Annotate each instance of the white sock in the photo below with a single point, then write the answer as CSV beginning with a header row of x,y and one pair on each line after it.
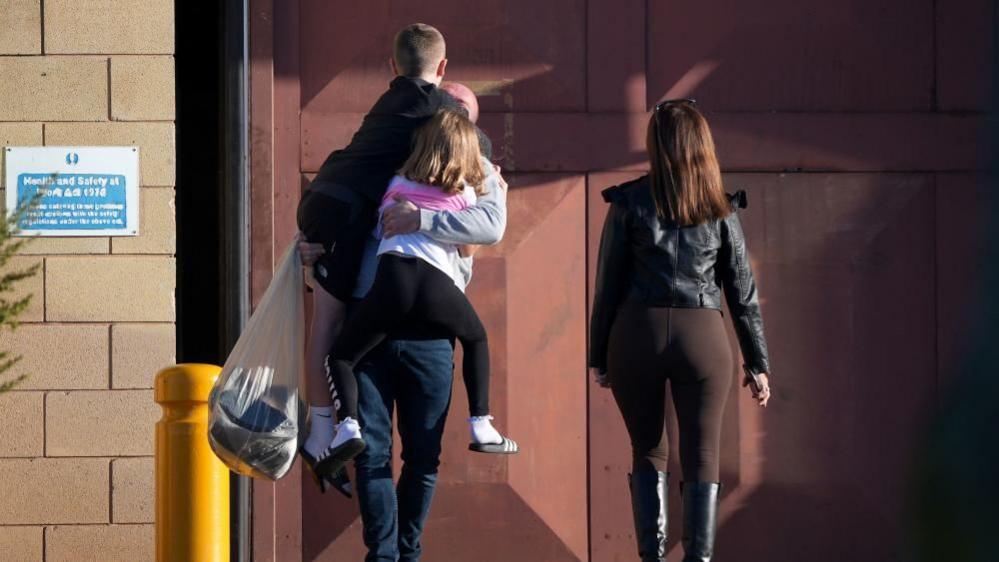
x,y
482,430
345,431
321,429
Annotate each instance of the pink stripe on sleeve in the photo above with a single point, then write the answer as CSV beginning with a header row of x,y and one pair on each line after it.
x,y
423,196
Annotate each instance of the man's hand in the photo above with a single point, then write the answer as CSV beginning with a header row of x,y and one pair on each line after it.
x,y
600,377
499,176
309,251
401,218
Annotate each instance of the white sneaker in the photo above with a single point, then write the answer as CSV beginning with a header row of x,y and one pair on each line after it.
x,y
345,431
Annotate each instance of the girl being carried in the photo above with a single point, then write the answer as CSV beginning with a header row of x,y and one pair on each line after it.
x,y
417,288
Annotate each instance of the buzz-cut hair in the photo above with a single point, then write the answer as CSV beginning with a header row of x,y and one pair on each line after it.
x,y
419,48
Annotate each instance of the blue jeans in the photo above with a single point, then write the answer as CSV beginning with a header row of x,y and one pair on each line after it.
x,y
415,377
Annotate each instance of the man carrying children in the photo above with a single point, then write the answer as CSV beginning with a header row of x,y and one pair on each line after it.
x,y
410,372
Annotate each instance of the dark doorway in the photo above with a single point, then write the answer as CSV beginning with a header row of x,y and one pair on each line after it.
x,y
212,251
200,181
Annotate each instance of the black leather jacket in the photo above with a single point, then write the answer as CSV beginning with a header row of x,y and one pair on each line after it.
x,y
655,262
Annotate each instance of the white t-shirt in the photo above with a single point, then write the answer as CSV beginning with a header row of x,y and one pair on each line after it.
x,y
418,245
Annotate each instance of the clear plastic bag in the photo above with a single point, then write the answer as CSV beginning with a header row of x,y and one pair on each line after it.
x,y
254,406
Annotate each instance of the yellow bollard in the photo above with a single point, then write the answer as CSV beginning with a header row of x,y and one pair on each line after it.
x,y
192,484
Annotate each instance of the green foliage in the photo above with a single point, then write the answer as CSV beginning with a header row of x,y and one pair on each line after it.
x,y
10,309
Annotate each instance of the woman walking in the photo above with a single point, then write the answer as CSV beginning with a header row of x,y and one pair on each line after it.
x,y
672,245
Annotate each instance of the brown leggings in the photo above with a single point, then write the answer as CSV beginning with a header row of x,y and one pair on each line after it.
x,y
688,347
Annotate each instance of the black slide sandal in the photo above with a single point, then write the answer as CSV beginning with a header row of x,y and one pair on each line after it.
x,y
341,482
310,464
337,458
507,447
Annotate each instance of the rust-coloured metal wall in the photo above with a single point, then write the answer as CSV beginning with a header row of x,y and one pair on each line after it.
x,y
853,125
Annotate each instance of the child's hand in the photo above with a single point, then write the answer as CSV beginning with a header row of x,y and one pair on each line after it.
x,y
467,250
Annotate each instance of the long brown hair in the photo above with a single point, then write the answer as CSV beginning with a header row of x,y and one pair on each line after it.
x,y
685,178
446,154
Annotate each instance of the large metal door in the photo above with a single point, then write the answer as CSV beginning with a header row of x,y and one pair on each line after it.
x,y
855,135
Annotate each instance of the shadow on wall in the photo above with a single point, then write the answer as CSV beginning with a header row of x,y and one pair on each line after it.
x,y
854,369
955,491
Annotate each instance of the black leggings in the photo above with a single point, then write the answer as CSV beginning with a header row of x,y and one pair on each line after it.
x,y
412,295
689,348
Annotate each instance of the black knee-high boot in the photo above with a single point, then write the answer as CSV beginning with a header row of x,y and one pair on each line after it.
x,y
648,502
700,519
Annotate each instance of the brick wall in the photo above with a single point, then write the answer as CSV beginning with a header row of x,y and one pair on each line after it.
x,y
76,439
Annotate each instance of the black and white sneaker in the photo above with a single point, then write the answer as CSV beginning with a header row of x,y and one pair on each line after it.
x,y
346,445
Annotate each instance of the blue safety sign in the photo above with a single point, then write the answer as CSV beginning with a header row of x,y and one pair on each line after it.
x,y
74,191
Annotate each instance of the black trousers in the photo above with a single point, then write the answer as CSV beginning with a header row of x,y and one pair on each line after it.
x,y
409,296
689,348
341,221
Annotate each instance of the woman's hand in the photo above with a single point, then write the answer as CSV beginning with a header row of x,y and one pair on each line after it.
x,y
761,394
600,377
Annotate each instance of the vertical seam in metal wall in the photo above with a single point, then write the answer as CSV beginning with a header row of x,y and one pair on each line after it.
x,y
586,56
936,291
586,375
645,56
586,287
934,101
995,46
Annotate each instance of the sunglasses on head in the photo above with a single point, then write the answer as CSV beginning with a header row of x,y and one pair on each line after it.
x,y
664,103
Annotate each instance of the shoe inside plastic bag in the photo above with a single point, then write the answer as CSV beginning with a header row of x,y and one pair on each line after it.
x,y
254,406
